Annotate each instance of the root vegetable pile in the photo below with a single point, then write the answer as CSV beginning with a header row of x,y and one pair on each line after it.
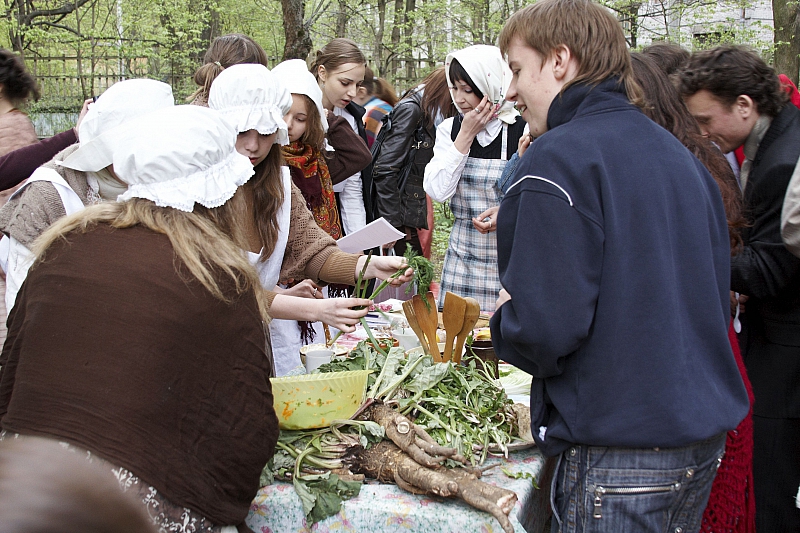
x,y
425,427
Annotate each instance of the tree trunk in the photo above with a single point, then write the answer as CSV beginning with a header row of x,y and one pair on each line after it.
x,y
341,19
378,54
408,32
786,16
398,21
298,41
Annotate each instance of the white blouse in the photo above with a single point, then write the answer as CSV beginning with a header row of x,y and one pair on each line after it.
x,y
443,172
351,198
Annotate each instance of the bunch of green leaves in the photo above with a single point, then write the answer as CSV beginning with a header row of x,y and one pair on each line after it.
x,y
308,457
466,410
460,406
423,273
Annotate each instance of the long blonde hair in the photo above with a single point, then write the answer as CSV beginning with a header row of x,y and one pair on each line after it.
x,y
207,253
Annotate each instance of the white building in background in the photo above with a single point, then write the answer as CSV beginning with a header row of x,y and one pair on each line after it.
x,y
703,21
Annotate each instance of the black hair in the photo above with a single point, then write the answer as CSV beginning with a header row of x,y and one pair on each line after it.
x,y
458,73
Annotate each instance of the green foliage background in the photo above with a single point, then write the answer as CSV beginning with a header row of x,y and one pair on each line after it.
x,y
81,51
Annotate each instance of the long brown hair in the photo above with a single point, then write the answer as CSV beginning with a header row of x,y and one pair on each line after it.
x,y
208,254
314,134
226,50
664,106
592,34
385,91
436,97
265,189
257,201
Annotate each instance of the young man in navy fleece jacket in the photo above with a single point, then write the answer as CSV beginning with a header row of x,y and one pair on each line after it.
x,y
615,261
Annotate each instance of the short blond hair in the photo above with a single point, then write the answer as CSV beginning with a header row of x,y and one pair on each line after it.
x,y
590,31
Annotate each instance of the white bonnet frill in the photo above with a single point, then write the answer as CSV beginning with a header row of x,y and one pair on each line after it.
x,y
124,101
298,80
251,97
179,157
490,73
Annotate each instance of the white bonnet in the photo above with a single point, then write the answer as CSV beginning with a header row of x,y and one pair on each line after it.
x,y
123,101
295,76
179,157
251,97
489,72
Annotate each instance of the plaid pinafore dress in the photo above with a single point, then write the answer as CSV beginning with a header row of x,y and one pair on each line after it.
x,y
470,264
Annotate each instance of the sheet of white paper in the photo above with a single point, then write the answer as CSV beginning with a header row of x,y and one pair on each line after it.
x,y
376,233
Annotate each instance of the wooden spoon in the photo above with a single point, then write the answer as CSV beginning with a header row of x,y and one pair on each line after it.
x,y
453,317
411,318
428,320
471,315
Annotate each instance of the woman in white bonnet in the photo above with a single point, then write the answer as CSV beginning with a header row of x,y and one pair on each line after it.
x,y
284,241
469,155
77,177
138,338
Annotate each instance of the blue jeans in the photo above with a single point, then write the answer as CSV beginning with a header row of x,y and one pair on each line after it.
x,y
624,490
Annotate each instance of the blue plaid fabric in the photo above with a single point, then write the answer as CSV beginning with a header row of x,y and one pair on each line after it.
x,y
470,264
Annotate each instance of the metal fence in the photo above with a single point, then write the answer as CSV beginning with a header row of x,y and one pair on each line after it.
x,y
66,81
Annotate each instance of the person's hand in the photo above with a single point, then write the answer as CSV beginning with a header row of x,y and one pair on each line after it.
x,y
84,110
488,226
474,121
523,144
384,267
742,298
389,245
304,289
339,312
502,297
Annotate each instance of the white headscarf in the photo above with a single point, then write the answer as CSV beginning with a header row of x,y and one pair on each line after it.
x,y
123,101
179,157
296,77
251,97
489,72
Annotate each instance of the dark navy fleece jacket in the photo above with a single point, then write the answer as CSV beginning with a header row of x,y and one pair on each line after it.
x,y
614,248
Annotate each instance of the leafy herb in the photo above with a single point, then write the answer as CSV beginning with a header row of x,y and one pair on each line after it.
x,y
423,273
322,494
520,475
459,405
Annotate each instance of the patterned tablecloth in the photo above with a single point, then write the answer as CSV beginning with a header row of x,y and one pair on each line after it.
x,y
277,509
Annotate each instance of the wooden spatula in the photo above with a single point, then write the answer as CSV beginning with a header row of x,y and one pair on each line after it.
x,y
471,315
411,318
428,318
453,317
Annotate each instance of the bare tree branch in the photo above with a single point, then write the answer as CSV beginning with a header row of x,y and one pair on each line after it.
x,y
66,9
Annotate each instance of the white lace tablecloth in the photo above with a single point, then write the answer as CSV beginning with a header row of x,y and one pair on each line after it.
x,y
384,508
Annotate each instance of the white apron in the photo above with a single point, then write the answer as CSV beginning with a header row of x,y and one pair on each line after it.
x,y
284,334
15,257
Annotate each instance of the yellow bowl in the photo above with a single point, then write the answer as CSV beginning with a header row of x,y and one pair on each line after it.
x,y
314,400
338,350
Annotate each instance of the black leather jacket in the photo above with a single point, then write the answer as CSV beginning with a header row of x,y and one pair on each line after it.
x,y
407,207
